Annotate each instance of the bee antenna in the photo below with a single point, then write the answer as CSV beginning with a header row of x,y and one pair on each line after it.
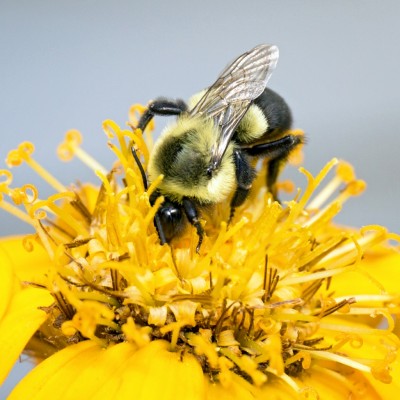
x,y
157,221
140,166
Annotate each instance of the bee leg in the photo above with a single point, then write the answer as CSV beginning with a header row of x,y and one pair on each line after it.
x,y
160,229
274,168
193,217
244,177
158,217
277,153
161,106
276,164
140,166
168,220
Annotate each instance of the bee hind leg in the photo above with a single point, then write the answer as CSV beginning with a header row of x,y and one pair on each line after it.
x,y
277,153
274,168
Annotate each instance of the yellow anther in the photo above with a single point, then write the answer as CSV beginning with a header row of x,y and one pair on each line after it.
x,y
345,171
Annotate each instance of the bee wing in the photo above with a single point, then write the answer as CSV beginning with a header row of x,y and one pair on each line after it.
x,y
228,99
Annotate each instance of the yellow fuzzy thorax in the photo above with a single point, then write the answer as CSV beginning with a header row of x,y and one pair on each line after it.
x,y
184,174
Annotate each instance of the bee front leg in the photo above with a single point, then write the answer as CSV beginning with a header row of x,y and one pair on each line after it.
x,y
161,106
193,217
244,177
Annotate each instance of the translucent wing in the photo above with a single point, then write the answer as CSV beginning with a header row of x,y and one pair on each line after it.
x,y
228,99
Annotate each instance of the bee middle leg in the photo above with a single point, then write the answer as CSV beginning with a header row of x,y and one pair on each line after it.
x,y
244,176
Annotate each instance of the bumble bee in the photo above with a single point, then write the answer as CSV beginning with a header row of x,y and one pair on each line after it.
x,y
206,154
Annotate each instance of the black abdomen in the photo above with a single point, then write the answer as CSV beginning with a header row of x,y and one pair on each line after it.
x,y
275,110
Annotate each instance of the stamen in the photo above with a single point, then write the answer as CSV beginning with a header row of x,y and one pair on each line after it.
x,y
308,277
36,211
134,334
44,238
287,379
15,211
336,307
353,330
23,153
326,355
313,183
70,148
344,174
271,279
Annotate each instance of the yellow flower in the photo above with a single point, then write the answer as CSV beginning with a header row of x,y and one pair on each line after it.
x,y
280,304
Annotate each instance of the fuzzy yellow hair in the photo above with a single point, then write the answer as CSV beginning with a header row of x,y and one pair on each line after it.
x,y
252,126
185,169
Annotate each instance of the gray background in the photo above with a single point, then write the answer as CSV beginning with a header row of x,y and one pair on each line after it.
x,y
73,64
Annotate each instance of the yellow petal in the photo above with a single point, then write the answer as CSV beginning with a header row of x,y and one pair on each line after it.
x,y
54,375
325,384
156,373
87,371
29,266
7,283
21,321
233,391
389,391
371,348
377,268
238,389
317,383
